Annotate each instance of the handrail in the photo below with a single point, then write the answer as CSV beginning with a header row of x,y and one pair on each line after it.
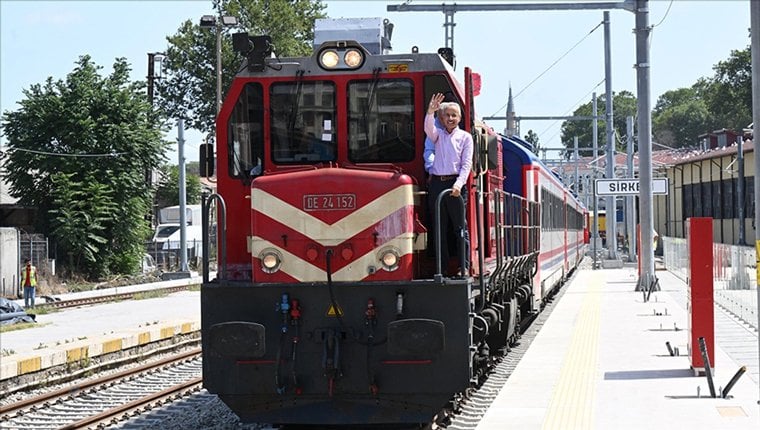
x,y
222,210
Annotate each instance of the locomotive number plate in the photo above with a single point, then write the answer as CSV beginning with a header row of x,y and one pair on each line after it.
x,y
329,202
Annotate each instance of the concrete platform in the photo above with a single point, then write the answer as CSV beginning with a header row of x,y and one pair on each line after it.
x,y
77,334
600,361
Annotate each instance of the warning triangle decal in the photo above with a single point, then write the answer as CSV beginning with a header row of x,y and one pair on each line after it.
x,y
334,311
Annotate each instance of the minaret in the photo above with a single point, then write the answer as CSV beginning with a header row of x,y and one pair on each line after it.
x,y
511,123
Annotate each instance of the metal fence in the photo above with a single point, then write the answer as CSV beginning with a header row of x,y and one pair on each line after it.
x,y
166,255
734,275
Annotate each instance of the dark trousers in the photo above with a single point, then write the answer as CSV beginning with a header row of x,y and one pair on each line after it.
x,y
453,225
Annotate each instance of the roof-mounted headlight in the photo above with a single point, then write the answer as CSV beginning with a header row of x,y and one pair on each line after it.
x,y
353,58
344,55
329,59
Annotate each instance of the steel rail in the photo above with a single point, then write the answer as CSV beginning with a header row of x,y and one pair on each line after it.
x,y
135,404
61,304
42,398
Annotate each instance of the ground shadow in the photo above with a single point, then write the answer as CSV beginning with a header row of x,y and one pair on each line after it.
x,y
648,374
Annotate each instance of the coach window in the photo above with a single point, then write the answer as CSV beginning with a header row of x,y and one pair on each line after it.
x,y
303,122
381,121
245,139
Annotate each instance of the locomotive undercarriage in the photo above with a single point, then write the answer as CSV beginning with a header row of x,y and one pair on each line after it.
x,y
351,353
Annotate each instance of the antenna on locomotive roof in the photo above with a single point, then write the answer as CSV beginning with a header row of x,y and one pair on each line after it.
x,y
387,33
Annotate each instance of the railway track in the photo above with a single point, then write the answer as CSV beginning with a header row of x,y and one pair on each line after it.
x,y
61,304
105,400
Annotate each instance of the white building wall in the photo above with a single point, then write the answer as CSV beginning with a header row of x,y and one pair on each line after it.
x,y
9,262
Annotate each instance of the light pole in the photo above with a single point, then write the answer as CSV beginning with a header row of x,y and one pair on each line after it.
x,y
210,21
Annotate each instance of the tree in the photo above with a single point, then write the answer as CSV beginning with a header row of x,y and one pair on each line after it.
x,y
189,88
679,117
167,193
728,94
532,137
80,215
624,105
78,150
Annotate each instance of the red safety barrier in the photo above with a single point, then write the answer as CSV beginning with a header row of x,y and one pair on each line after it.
x,y
700,306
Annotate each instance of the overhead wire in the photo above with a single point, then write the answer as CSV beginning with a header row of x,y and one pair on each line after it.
x,y
666,14
617,136
575,106
551,66
58,154
661,21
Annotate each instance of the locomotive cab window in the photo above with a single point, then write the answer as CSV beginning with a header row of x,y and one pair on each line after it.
x,y
303,122
245,138
381,121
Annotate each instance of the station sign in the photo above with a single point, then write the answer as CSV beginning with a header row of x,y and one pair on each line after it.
x,y
628,186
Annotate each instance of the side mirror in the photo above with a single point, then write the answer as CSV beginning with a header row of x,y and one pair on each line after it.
x,y
206,160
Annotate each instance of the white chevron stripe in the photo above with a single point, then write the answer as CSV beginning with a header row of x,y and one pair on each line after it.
x,y
323,233
303,271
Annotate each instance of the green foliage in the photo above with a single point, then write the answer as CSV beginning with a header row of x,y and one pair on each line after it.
x,y
728,94
623,105
81,213
79,150
679,117
532,137
167,193
189,88
722,101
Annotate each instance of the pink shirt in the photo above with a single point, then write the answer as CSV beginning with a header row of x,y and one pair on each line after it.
x,y
453,151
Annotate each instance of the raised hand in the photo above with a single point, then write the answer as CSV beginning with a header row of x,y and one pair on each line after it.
x,y
435,103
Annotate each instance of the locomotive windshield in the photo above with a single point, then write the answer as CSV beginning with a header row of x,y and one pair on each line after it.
x,y
303,122
381,121
245,138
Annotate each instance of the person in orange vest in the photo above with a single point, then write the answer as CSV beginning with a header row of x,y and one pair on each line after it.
x,y
29,282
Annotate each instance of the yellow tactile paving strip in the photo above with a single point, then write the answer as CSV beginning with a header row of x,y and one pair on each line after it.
x,y
15,365
572,402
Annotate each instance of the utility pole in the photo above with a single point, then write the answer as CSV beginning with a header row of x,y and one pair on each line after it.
x,y
577,182
648,281
595,200
182,198
755,50
740,188
152,58
610,164
630,200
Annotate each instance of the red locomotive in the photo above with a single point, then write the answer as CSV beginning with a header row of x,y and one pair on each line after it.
x,y
328,306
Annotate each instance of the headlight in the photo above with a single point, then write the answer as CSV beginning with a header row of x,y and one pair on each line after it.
x,y
343,55
270,260
353,58
329,59
389,258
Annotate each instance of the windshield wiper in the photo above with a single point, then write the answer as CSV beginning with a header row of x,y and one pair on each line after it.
x,y
371,94
296,96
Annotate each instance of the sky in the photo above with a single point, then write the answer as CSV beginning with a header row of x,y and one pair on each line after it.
x,y
553,60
